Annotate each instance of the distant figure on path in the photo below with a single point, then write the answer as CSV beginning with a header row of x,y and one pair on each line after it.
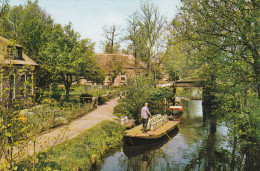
x,y
145,114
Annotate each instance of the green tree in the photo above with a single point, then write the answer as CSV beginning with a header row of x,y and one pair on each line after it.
x,y
115,66
179,61
35,30
228,31
31,27
139,91
146,34
224,36
3,7
68,57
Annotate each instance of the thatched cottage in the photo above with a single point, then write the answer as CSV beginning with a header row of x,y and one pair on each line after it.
x,y
17,74
129,64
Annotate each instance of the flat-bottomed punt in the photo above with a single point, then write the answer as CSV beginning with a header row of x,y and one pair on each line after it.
x,y
136,136
135,150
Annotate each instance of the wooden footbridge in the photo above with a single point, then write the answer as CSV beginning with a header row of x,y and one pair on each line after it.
x,y
188,82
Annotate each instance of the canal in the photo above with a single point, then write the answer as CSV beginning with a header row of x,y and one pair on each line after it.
x,y
189,147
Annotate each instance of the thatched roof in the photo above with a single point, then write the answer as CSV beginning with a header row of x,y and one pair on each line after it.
x,y
128,60
4,43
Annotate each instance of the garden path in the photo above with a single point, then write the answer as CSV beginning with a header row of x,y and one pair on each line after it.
x,y
76,127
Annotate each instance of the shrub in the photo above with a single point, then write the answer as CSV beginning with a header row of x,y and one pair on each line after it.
x,y
121,110
139,91
102,99
56,95
49,101
161,93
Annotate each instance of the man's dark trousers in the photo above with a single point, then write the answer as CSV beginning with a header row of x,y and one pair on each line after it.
x,y
145,122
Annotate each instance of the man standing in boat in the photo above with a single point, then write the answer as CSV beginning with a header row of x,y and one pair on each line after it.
x,y
145,114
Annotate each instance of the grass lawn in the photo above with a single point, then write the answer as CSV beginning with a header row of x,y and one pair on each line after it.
x,y
76,91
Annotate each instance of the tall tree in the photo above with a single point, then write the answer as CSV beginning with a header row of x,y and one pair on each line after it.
x,y
3,6
146,33
31,27
178,61
224,34
35,30
111,43
134,46
69,57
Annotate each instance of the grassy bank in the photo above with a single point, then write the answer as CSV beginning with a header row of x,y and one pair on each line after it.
x,y
81,153
58,92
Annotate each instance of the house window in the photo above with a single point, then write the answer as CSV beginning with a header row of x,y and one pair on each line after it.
x,y
23,86
123,78
12,86
16,53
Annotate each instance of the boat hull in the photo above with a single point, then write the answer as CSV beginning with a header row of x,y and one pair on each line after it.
x,y
134,141
177,116
143,145
135,135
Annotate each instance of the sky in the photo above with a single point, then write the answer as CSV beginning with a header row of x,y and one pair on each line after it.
x,y
89,16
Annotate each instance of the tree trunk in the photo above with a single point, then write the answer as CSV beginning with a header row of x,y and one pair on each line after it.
x,y
258,91
67,90
148,68
155,80
67,84
173,93
135,55
213,123
233,154
257,72
113,80
256,66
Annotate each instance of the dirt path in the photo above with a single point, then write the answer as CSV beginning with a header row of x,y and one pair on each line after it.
x,y
70,131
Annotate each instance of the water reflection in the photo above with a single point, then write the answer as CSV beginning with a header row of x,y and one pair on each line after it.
x,y
193,147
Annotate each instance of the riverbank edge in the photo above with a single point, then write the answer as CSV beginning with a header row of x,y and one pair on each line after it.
x,y
83,152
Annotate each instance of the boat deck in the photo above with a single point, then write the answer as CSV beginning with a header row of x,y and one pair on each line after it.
x,y
159,132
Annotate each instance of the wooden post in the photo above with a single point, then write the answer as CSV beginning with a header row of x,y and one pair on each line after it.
x,y
173,94
165,103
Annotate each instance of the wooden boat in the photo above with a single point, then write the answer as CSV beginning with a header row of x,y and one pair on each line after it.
x,y
176,109
136,150
175,117
135,135
177,112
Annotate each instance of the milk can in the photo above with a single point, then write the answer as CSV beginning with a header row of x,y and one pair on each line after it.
x,y
123,120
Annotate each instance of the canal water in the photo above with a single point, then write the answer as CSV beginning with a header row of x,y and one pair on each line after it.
x,y
189,147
